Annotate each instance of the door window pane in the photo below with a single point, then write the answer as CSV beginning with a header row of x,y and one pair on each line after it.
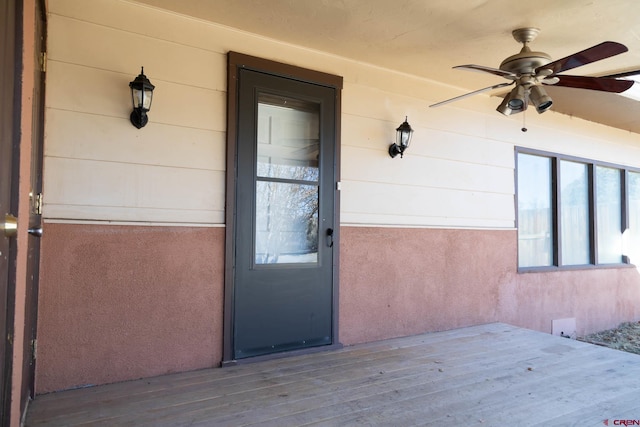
x,y
288,138
286,223
608,215
633,233
287,158
535,231
574,209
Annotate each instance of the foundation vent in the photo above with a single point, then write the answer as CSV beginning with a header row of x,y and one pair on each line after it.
x,y
564,327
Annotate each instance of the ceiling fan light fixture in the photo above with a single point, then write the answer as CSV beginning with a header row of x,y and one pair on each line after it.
x,y
540,99
514,102
503,108
517,98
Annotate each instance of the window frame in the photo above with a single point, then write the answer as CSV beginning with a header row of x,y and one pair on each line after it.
x,y
555,159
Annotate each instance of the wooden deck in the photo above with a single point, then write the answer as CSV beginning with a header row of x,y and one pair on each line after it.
x,y
483,375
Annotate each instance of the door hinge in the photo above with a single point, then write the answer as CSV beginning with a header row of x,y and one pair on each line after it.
x,y
34,349
43,62
36,203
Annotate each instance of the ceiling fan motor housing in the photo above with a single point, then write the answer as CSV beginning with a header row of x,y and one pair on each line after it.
x,y
525,62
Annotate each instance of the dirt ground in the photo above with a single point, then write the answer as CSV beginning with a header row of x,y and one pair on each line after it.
x,y
625,337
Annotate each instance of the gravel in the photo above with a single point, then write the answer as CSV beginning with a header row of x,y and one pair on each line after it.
x,y
625,337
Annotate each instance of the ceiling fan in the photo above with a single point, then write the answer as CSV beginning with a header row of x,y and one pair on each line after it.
x,y
529,71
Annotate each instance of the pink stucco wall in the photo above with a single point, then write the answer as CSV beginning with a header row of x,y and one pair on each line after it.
x,y
397,282
124,302
598,298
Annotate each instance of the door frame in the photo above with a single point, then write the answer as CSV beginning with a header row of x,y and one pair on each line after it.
x,y
32,279
235,62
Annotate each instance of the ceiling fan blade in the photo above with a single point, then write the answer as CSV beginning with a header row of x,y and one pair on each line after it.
x,y
584,57
624,74
482,68
604,84
475,92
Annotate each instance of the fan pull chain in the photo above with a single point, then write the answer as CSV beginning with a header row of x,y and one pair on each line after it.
x,y
524,121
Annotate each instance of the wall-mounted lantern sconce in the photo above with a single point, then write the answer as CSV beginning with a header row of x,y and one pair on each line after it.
x,y
141,95
403,138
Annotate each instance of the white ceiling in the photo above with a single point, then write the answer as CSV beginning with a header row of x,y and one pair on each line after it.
x,y
428,37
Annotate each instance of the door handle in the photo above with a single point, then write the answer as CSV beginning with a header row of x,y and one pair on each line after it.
x,y
10,225
36,231
330,237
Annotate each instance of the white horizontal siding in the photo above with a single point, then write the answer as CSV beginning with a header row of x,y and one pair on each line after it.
x,y
448,178
458,171
100,183
412,205
361,164
97,165
96,91
96,137
112,47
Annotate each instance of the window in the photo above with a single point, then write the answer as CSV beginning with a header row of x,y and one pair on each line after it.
x,y
632,234
575,212
608,209
535,226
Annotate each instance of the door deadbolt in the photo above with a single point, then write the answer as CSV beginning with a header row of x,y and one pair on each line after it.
x,y
10,225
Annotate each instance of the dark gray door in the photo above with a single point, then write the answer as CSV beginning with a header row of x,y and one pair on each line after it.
x,y
283,284
9,14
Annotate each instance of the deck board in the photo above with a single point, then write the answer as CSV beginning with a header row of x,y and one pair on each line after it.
x,y
490,374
